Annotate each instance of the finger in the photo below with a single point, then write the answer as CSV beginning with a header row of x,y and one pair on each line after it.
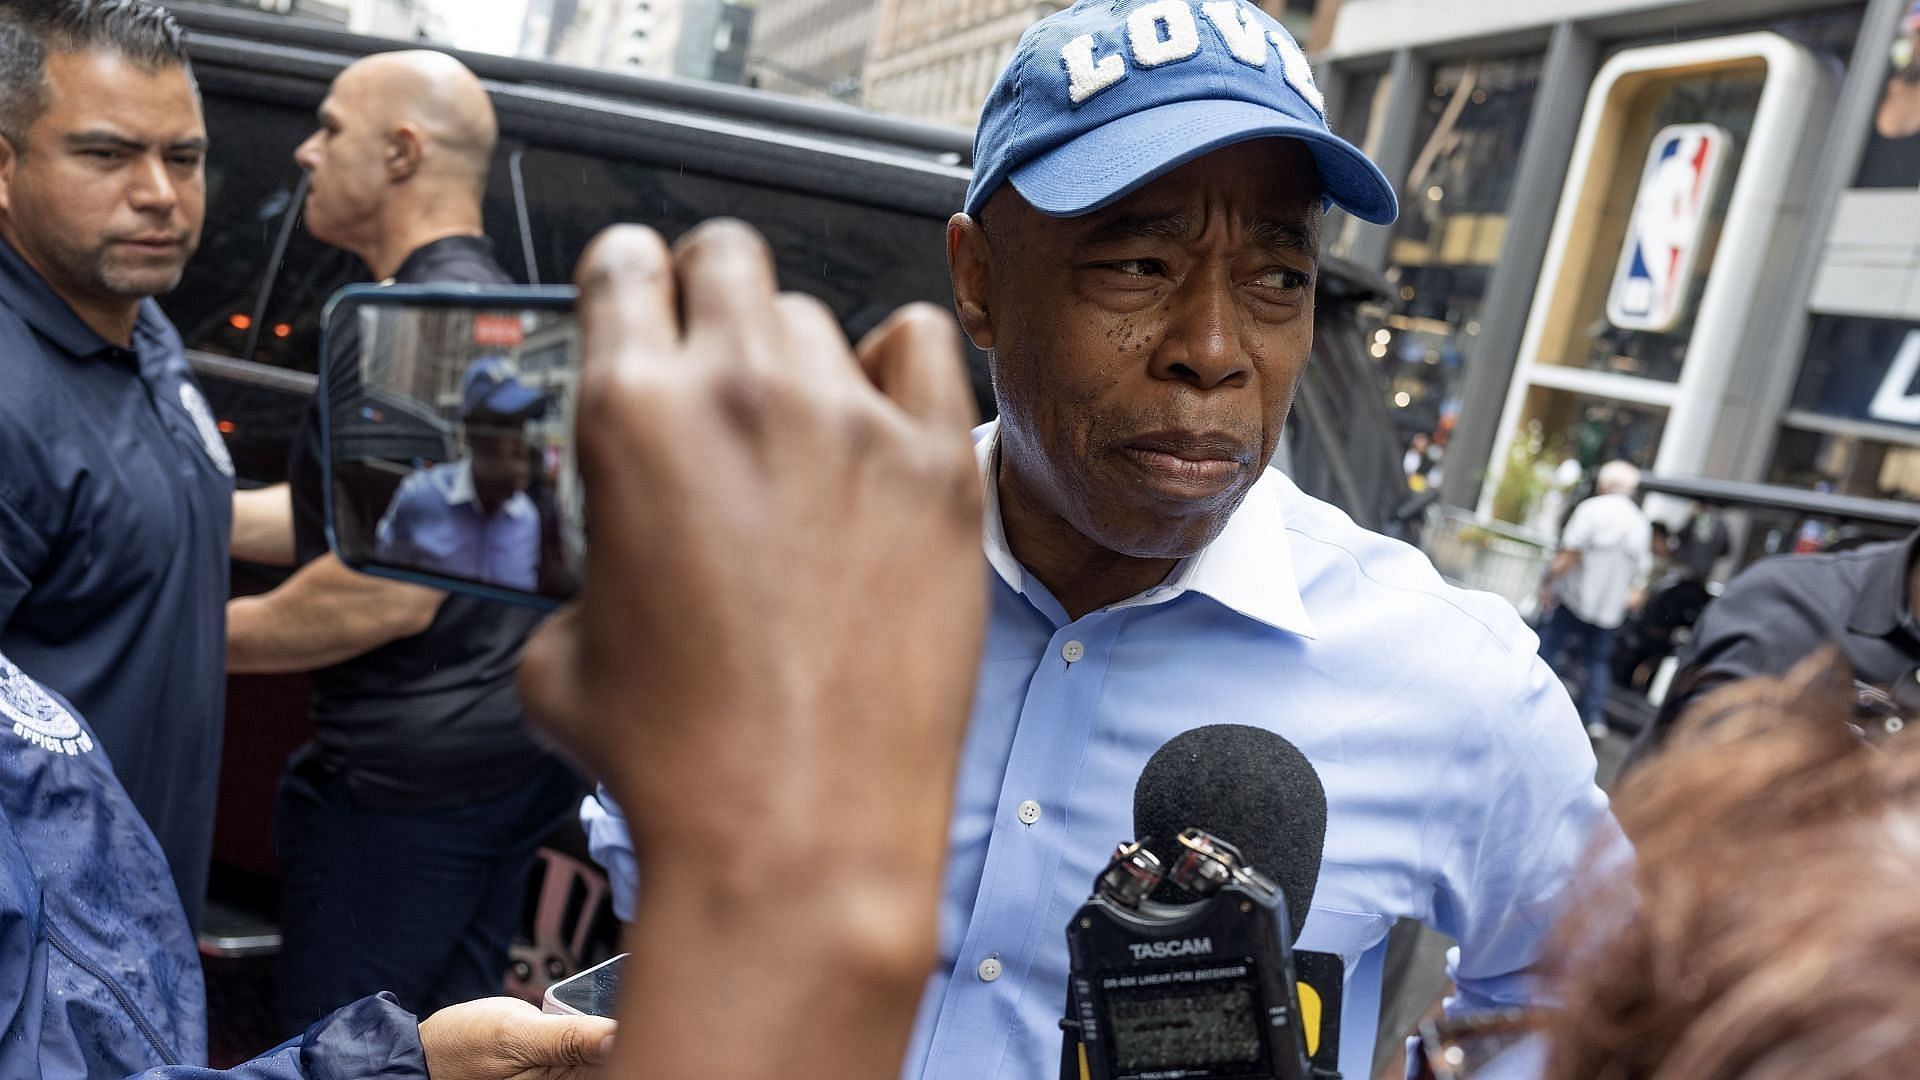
x,y
565,1041
811,341
914,358
727,280
627,295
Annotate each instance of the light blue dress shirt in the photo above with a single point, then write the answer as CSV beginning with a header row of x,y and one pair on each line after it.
x,y
1459,780
436,523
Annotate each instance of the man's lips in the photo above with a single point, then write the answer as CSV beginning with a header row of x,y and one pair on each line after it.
x,y
1190,464
155,243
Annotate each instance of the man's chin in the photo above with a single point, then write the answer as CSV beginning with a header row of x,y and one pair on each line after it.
x,y
138,283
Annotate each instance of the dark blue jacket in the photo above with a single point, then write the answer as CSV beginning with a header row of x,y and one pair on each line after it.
x,y
98,972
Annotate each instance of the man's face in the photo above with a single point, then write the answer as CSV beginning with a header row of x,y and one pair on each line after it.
x,y
500,466
345,160
1145,355
108,197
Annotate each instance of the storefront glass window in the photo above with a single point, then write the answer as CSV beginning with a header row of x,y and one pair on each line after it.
x,y
1359,123
1727,99
1453,220
1565,440
1854,426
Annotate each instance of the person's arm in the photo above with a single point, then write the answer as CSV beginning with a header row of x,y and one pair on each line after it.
x,y
322,615
1564,561
1757,626
489,1039
1511,860
775,695
263,525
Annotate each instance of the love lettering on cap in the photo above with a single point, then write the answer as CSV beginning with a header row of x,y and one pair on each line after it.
x,y
1165,32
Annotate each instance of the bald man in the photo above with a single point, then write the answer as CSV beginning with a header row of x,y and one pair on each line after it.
x,y
407,827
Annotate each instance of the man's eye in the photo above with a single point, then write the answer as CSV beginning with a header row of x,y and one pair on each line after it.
x,y
1136,267
99,153
187,161
1281,278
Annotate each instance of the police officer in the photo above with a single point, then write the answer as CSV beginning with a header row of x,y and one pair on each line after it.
x,y
116,492
101,977
407,828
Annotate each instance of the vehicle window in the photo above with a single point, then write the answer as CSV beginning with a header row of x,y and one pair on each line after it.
x,y
861,261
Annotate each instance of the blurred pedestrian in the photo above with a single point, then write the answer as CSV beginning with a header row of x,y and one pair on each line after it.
x,y
1600,572
407,828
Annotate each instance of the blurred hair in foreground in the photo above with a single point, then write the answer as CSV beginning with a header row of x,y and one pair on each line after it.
x,y
1770,929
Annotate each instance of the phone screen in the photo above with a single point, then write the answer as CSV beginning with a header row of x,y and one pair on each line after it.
x,y
592,992
448,414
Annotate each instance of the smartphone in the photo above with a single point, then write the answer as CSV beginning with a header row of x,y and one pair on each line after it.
x,y
590,993
447,416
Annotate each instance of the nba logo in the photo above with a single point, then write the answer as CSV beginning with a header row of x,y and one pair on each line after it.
x,y
1651,287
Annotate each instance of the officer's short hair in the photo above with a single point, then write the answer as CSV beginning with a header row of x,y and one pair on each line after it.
x,y
138,30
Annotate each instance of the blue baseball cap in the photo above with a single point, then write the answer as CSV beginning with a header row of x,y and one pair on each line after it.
x,y
491,384
1107,95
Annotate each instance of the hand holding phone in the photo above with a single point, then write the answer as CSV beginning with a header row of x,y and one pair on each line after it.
x,y
773,650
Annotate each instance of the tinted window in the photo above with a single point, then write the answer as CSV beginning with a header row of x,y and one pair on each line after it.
x,y
862,262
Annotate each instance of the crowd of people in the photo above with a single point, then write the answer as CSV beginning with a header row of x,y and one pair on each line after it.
x,y
865,687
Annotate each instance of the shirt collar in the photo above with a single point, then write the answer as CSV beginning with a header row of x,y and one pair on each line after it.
x,y
29,295
1882,605
1247,569
419,265
460,492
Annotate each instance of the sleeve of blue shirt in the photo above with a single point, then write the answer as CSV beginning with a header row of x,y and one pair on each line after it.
x,y
22,550
612,848
373,1037
1509,865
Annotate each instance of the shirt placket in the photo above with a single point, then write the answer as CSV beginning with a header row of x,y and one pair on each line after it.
x,y
1011,920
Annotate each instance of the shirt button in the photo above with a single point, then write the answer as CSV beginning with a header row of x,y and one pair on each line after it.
x,y
1072,651
990,969
1029,812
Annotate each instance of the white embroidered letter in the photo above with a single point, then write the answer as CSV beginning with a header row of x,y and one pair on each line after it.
x,y
1143,33
1299,72
1084,77
1239,30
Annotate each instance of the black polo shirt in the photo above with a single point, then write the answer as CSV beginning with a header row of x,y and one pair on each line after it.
x,y
116,504
1781,610
433,720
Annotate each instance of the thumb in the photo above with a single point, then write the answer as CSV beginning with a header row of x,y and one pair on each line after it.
x,y
565,1041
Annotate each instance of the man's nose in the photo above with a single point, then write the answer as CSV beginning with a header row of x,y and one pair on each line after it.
x,y
1202,346
154,189
303,154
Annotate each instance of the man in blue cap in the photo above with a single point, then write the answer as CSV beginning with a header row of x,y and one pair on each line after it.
x,y
472,518
1137,254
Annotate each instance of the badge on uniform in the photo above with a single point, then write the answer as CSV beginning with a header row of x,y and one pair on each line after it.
x,y
36,717
196,406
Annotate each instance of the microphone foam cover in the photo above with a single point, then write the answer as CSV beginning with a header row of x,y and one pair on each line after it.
x,y
1247,786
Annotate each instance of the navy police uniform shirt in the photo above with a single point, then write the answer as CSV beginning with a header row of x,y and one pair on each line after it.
x,y
116,504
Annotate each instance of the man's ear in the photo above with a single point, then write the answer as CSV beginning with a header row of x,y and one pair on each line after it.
x,y
9,161
404,149
970,262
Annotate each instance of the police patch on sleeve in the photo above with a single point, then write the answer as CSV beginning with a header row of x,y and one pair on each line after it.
x,y
196,406
36,717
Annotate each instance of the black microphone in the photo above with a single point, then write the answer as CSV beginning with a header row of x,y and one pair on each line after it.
x,y
1244,785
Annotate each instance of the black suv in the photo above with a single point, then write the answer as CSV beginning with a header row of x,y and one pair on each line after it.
x,y
854,205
